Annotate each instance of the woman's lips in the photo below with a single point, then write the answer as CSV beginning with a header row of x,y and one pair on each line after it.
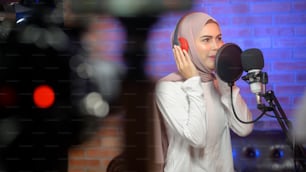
x,y
212,57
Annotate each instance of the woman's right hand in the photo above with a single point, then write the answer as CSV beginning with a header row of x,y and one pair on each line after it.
x,y
184,63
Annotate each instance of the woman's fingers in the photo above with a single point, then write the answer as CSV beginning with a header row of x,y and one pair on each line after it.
x,y
178,57
184,63
187,58
182,58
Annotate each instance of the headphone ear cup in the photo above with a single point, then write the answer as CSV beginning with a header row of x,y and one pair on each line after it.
x,y
183,43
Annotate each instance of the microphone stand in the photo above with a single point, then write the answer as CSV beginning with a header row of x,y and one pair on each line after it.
x,y
284,122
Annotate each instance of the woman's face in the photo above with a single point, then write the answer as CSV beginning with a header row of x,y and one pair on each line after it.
x,y
207,44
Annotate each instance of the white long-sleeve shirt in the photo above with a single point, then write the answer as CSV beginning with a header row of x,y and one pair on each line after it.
x,y
198,118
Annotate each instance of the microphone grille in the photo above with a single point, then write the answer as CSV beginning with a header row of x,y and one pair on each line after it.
x,y
252,59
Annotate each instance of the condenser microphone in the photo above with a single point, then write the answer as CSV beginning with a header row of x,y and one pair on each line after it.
x,y
253,63
228,63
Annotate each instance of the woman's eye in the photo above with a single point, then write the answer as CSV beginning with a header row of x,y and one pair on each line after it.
x,y
206,40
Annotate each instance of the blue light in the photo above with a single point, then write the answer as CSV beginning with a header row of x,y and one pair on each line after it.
x,y
251,152
278,153
281,153
234,153
257,153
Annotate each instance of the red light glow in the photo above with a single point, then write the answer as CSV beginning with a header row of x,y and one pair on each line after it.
x,y
7,96
43,96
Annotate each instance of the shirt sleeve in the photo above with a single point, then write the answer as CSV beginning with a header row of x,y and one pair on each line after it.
x,y
240,107
183,109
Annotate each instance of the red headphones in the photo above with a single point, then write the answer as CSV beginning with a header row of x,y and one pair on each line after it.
x,y
180,41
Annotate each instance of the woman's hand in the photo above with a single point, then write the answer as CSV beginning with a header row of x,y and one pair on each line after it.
x,y
184,63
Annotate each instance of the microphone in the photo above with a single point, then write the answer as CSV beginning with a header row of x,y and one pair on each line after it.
x,y
228,63
253,62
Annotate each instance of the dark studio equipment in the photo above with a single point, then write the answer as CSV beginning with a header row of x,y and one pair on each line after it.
x,y
252,60
253,63
38,107
263,151
228,63
7,19
228,66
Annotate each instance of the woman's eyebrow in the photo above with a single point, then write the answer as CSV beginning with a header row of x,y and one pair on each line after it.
x,y
210,36
206,36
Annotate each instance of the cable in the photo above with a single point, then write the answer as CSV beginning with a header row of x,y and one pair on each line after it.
x,y
244,122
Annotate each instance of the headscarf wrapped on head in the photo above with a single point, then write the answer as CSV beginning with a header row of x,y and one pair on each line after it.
x,y
189,27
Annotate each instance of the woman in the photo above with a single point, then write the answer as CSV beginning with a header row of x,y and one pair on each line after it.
x,y
195,105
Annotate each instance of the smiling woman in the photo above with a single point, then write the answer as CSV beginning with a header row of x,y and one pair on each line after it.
x,y
194,105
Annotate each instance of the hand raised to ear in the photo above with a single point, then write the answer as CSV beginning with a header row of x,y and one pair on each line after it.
x,y
184,63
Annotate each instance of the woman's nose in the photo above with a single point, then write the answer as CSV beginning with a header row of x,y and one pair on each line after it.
x,y
215,45
219,45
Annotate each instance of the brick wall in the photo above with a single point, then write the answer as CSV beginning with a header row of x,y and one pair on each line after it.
x,y
277,27
95,153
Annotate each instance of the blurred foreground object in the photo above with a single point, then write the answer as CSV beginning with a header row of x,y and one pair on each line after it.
x,y
300,121
263,151
130,8
137,18
41,93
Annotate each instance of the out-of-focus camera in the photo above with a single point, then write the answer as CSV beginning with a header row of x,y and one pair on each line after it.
x,y
130,7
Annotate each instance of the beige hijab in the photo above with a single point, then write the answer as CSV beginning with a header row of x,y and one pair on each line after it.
x,y
189,28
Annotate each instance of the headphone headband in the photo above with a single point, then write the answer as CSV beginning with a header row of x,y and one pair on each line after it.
x,y
182,42
175,40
